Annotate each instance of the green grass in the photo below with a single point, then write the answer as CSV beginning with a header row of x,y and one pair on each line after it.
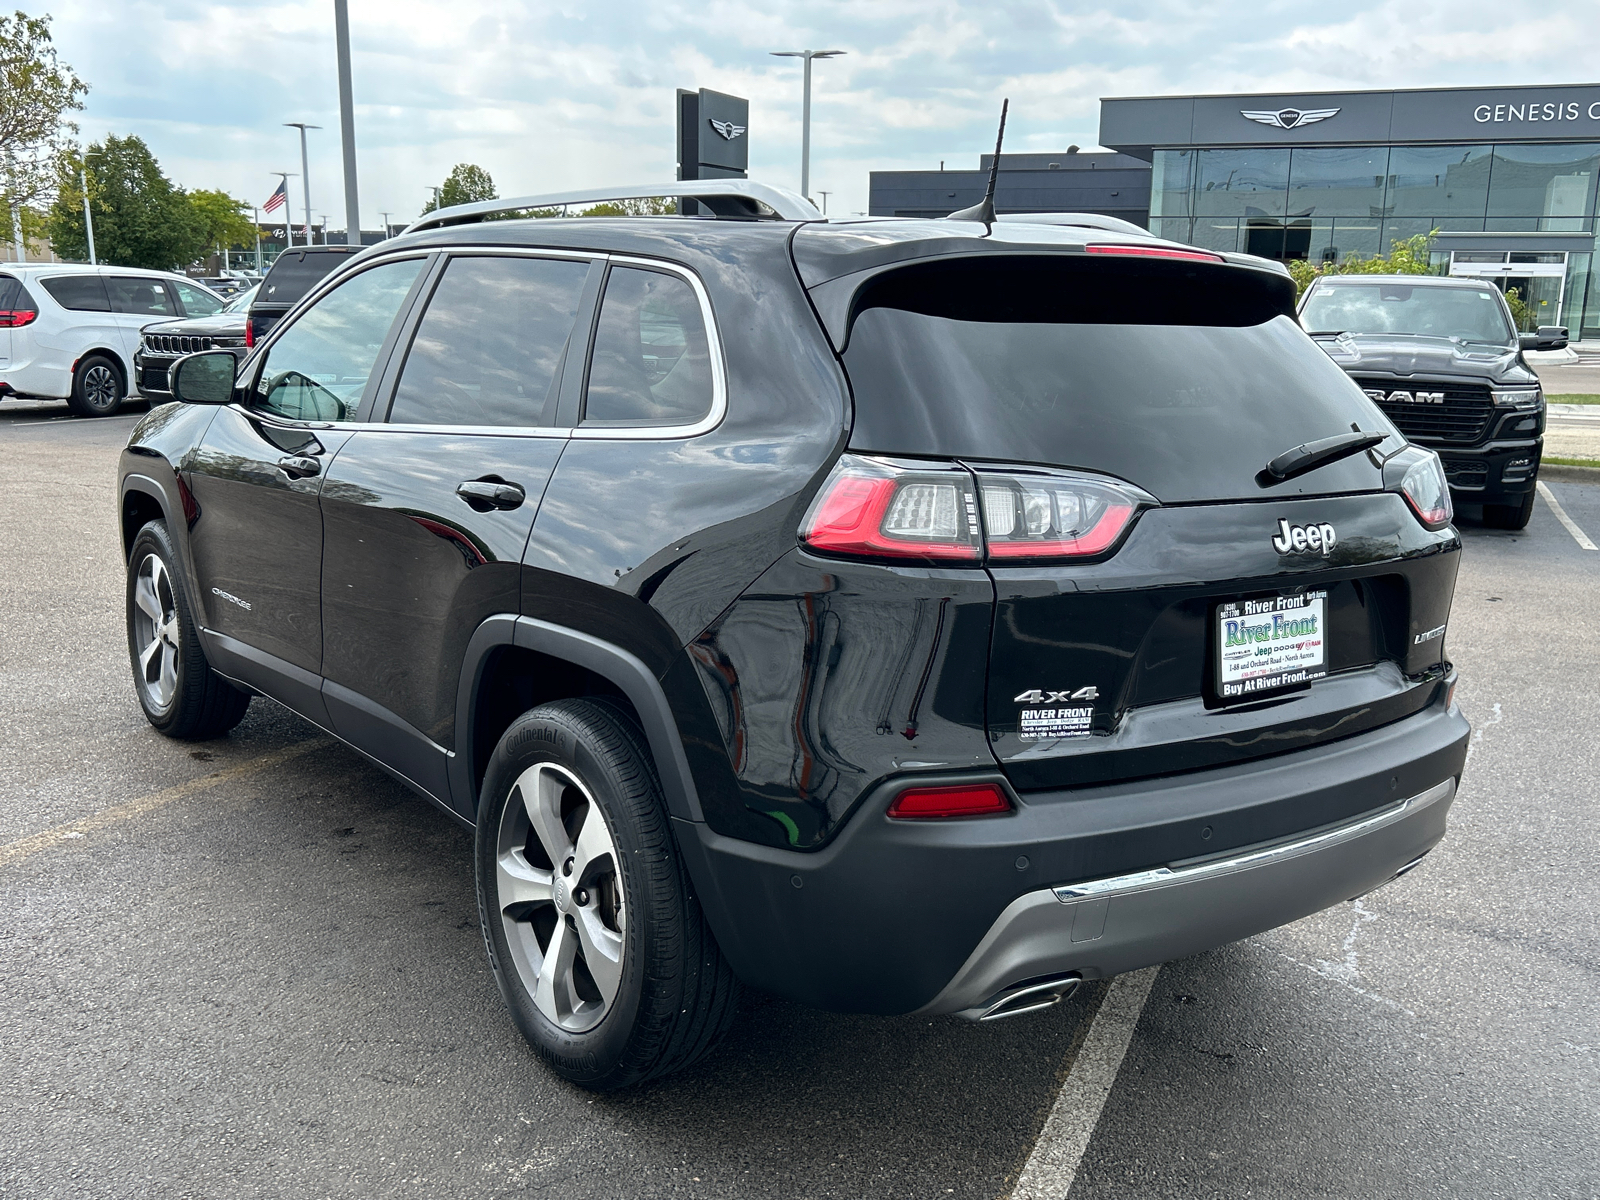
x,y
1574,398
1570,462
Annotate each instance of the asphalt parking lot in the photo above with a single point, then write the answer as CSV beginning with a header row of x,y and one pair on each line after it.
x,y
252,968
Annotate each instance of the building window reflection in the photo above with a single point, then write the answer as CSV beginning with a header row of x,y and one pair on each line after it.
x,y
1448,183
1552,186
1242,183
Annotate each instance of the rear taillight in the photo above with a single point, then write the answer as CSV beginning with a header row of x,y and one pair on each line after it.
x,y
957,800
249,332
1051,514
16,318
1425,488
877,508
1156,252
895,509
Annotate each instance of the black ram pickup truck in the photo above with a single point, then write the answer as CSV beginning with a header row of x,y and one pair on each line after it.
x,y
1443,359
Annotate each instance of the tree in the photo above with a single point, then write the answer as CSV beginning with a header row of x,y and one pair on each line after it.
x,y
467,183
1407,256
140,218
220,221
37,90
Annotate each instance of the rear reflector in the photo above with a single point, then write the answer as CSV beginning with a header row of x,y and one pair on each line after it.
x,y
1156,252
960,800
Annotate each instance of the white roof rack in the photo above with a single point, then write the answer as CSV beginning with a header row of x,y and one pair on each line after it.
x,y
744,193
1086,220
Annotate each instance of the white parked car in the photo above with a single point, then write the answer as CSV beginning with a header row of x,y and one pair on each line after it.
x,y
69,331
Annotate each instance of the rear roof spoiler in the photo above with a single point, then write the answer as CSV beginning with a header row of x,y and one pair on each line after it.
x,y
739,198
1082,220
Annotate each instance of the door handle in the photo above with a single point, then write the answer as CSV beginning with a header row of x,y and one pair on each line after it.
x,y
298,466
484,494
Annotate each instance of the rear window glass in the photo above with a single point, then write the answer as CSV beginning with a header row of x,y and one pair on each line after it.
x,y
296,272
143,297
651,363
1185,382
1467,314
83,293
488,350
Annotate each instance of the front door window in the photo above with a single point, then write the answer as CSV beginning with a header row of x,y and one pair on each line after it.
x,y
318,369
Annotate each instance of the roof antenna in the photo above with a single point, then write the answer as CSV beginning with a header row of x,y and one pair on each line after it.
x,y
984,210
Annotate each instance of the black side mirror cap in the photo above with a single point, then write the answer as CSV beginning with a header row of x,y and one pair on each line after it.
x,y
204,378
1549,337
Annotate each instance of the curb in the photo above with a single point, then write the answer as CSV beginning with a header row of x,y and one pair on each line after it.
x,y
1566,474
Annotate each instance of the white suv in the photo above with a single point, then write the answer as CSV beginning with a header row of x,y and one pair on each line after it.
x,y
68,331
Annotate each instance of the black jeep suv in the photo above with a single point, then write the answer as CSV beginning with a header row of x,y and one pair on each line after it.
x,y
1442,357
900,616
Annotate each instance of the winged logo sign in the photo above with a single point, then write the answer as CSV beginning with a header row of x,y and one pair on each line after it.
x,y
726,128
1288,118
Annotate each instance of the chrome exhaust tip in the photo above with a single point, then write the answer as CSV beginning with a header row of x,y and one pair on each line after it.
x,y
1030,998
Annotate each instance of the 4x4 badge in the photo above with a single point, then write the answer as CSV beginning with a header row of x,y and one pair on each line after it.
x,y
1039,696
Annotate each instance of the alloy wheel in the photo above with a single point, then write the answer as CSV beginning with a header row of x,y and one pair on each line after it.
x,y
561,897
156,631
100,387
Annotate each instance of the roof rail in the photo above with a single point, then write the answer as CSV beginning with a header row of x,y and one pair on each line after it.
x,y
740,199
1087,220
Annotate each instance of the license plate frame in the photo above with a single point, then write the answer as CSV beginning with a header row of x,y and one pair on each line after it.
x,y
1269,651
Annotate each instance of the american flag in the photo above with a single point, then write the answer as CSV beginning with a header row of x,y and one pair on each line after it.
x,y
278,198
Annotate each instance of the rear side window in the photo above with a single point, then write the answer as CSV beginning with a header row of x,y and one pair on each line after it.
x,y
143,297
11,294
489,348
197,302
295,273
1184,380
651,363
82,293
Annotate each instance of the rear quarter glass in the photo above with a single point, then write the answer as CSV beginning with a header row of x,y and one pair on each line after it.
x,y
1182,378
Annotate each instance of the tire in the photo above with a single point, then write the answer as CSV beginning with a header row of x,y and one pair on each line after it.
x,y
180,694
1509,516
643,990
97,387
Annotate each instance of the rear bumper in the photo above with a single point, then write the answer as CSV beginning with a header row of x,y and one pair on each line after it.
x,y
1106,926
940,916
1499,473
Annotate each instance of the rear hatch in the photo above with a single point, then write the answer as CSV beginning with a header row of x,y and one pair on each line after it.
x,y
293,274
1163,601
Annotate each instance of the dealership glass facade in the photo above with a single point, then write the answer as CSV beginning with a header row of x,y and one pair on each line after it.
x,y
1328,203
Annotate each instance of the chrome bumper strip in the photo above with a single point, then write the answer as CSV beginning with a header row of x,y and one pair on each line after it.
x,y
1160,877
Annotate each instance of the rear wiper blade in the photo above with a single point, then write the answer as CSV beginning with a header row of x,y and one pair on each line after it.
x,y
1316,454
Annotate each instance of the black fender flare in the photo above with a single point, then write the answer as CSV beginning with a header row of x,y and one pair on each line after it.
x,y
622,668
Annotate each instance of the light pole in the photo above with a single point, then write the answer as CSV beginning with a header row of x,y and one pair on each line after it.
x,y
288,209
305,170
385,217
805,110
255,218
88,218
347,124
437,193
824,196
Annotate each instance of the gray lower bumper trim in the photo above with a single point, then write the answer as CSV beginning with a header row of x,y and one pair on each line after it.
x,y
1106,926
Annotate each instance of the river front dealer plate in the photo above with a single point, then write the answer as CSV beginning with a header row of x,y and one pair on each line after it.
x,y
1270,644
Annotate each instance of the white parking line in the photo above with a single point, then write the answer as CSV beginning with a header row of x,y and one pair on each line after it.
x,y
1578,535
1051,1168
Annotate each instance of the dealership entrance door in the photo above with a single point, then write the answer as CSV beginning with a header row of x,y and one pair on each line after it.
x,y
1537,277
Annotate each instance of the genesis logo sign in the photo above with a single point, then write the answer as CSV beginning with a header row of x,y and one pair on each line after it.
x,y
727,129
1288,118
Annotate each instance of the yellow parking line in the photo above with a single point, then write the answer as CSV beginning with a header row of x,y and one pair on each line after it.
x,y
22,848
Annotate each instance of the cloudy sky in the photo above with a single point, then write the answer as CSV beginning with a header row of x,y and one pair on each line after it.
x,y
560,94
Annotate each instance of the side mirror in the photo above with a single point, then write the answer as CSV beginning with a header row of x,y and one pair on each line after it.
x,y
204,378
1549,337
